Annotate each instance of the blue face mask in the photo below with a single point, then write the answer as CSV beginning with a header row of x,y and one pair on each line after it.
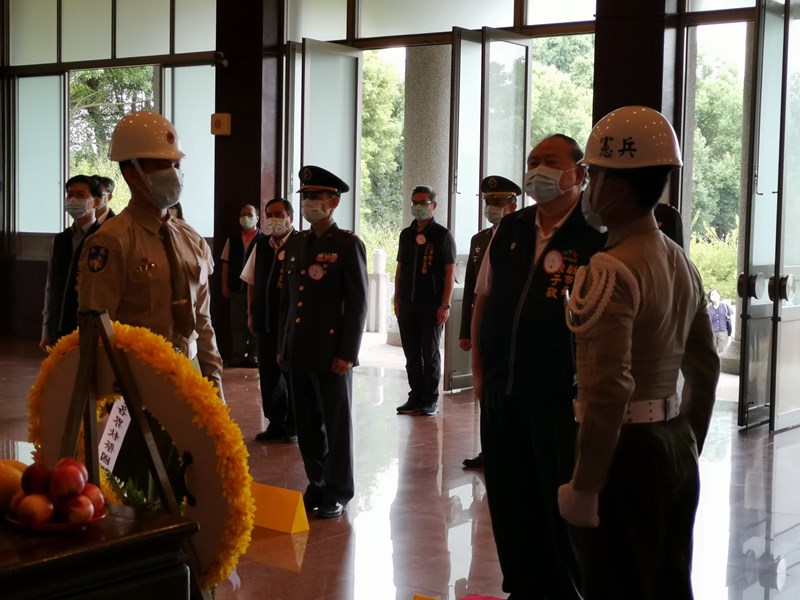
x,y
421,212
542,184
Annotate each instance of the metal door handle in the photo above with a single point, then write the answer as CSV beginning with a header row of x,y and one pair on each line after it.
x,y
787,288
753,287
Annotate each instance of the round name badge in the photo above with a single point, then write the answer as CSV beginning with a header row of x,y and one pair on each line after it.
x,y
553,261
281,254
316,272
421,239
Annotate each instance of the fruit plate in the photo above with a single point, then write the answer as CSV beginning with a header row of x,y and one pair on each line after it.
x,y
56,527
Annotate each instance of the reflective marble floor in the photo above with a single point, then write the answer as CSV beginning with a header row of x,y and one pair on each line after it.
x,y
419,522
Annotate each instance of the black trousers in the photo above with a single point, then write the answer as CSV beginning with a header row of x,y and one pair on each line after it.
x,y
643,547
421,336
276,395
528,452
325,432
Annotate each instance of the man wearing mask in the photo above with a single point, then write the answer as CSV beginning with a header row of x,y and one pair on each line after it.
x,y
60,313
144,267
423,285
234,255
150,270
323,312
262,273
104,211
500,198
524,371
639,316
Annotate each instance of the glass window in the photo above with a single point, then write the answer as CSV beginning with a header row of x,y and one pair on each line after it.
x,y
562,78
546,11
195,25
142,27
193,92
98,99
40,140
317,19
86,30
389,17
32,32
703,5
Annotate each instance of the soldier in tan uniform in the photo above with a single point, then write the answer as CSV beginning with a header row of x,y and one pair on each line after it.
x,y
125,268
638,312
151,270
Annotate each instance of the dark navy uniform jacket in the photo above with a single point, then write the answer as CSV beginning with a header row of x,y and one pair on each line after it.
x,y
526,346
477,251
267,284
323,299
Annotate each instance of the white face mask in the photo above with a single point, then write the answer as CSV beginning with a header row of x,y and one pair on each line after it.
x,y
277,226
164,186
543,184
247,222
314,210
494,214
76,207
589,203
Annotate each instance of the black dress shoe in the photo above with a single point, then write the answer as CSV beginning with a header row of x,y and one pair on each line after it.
x,y
429,410
330,511
289,438
250,362
409,408
474,463
269,434
310,501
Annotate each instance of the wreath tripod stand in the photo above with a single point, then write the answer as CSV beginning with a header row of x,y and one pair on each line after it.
x,y
95,327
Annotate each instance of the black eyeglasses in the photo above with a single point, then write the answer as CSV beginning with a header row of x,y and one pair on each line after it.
x,y
420,202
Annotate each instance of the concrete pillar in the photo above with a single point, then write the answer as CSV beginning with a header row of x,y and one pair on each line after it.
x,y
426,129
426,133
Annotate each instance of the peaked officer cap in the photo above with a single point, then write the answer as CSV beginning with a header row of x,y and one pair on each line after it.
x,y
495,185
317,179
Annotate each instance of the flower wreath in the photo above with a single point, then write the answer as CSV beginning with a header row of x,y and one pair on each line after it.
x,y
167,375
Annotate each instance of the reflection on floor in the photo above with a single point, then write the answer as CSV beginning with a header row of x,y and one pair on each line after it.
x,y
419,522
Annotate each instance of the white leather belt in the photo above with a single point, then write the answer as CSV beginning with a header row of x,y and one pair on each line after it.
x,y
642,411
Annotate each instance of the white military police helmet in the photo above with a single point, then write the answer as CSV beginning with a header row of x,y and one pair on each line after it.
x,y
633,137
144,135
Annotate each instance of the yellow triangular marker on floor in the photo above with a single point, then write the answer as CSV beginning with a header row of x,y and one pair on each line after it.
x,y
279,509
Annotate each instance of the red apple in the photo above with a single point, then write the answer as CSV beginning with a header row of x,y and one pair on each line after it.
x,y
95,494
75,463
15,500
36,479
66,480
35,509
74,509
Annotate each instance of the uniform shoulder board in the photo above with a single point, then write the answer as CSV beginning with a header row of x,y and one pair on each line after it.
x,y
589,299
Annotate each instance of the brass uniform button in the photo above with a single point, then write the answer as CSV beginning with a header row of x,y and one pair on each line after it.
x,y
303,272
300,303
331,332
302,287
297,320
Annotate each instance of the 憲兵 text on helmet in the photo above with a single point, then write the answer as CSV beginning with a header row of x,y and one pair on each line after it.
x,y
633,137
144,135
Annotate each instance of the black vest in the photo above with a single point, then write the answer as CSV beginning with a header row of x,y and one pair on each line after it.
x,y
267,286
422,265
63,284
237,257
526,346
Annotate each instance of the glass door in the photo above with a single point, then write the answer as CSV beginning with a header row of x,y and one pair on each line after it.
x,y
464,219
505,135
490,85
331,123
771,312
781,288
